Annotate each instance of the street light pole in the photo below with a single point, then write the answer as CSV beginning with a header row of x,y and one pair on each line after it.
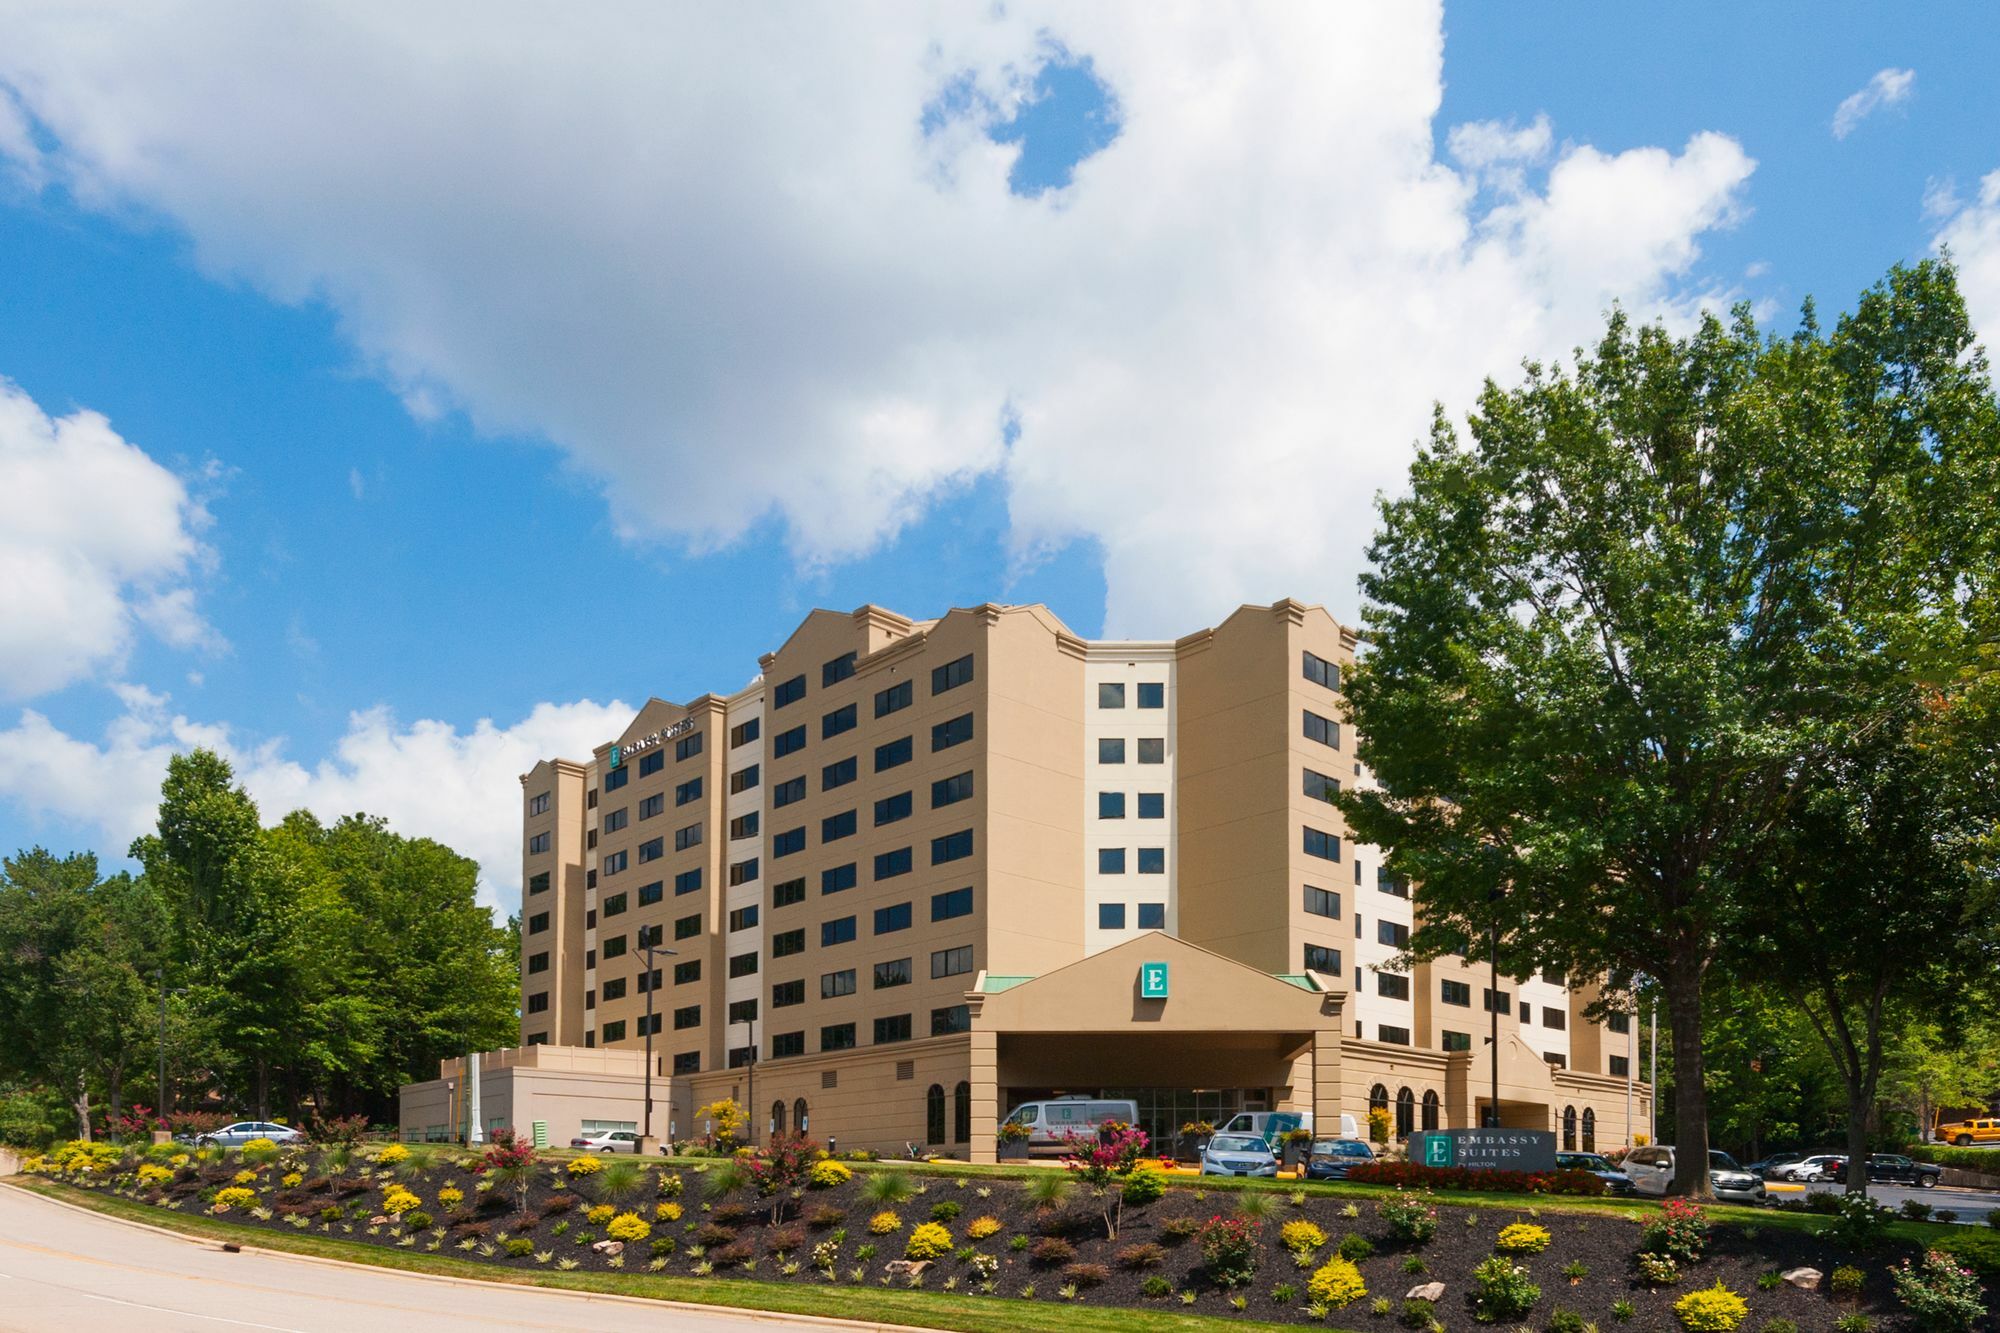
x,y
750,1112
646,1133
1493,1018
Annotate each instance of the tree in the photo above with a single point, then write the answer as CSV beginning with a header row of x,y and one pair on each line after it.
x,y
1931,1069
1615,639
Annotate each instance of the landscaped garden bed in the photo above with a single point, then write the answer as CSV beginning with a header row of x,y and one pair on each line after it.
x,y
1345,1259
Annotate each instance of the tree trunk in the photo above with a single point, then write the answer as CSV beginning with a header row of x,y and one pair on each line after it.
x,y
1857,1142
114,1084
1682,984
263,1088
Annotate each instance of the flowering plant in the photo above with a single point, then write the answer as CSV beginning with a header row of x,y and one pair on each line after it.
x,y
1942,1293
1682,1234
786,1165
1099,1162
1229,1250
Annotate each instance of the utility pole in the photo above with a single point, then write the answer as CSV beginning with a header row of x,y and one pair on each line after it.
x,y
1493,1017
646,1142
1653,1079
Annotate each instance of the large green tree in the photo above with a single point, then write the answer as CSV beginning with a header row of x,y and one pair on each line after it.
x,y
1617,636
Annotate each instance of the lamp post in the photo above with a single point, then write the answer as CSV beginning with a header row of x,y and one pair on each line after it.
x,y
646,1143
1493,1021
750,1111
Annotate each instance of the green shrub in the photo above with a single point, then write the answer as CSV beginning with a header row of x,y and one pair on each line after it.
x,y
1412,1218
1180,1228
1916,1210
1846,1282
1565,1321
417,1220
662,1246
1576,1270
1941,1294
1660,1270
1156,1288
520,1247
1504,1290
1145,1185
1714,1309
1284,1293
1778,1326
1859,1223
945,1210
1854,1323
1622,1310
1229,1250
1147,1255
1355,1247
1018,1242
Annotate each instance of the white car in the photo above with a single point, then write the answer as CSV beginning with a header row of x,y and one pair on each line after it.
x,y
1826,1166
1238,1155
607,1140
1651,1171
240,1133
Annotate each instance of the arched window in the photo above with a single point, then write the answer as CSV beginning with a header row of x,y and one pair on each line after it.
x,y
1406,1112
1431,1109
934,1114
961,1113
1378,1098
777,1118
1589,1130
799,1115
1569,1129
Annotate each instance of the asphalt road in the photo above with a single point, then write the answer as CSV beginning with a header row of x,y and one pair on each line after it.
x,y
62,1269
1970,1205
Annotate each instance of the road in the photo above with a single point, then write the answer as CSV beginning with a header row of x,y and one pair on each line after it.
x,y
61,1269
1970,1205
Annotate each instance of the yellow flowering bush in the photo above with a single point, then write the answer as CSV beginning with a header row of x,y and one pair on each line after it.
x,y
1714,1309
392,1154
154,1175
586,1165
451,1196
667,1212
291,1180
827,1173
245,1177
79,1156
396,1201
260,1147
178,1159
982,1227
233,1197
1337,1283
1301,1237
1522,1238
932,1240
884,1222
628,1226
601,1213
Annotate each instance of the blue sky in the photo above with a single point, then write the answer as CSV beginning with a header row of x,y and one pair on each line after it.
x,y
422,487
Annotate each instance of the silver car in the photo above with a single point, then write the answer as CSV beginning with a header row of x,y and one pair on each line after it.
x,y
1238,1155
240,1133
1651,1170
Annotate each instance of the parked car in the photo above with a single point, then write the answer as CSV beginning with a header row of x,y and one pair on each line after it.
x,y
1900,1170
1331,1159
1820,1166
1615,1181
1965,1133
240,1133
1050,1123
607,1140
1651,1170
1238,1155
1768,1166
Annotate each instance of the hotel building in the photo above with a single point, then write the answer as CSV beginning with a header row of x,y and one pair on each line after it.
x,y
910,875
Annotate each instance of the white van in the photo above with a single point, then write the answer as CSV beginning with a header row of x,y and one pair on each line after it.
x,y
1050,1123
1268,1125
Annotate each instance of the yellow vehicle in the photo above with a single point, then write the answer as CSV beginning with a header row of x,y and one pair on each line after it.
x,y
1965,1133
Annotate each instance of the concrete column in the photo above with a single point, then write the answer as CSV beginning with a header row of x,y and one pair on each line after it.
x,y
1326,1081
474,1133
984,1077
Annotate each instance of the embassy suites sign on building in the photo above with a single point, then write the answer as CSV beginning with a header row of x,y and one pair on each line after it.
x,y
620,753
1488,1149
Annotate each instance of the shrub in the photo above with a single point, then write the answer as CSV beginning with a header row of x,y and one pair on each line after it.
x,y
1504,1290
450,1197
1565,1321
1017,1243
1916,1209
1846,1282
233,1197
1779,1326
1412,1218
1145,1185
671,1185
884,1222
519,1248
929,1241
1414,1175
1860,1222
245,1177
1355,1247
1229,1250
587,1165
1147,1255
628,1227
737,1252
261,1149
1521,1238
1301,1237
396,1201
982,1227
945,1210
389,1156
1941,1295
710,1235
1714,1309
1416,1312
826,1173
729,1214
1336,1283
824,1216
1180,1228
1660,1270
154,1175
1046,1189
331,1213
1156,1288
666,1211
558,1203
1853,1323
1053,1250
598,1214
1681,1232
1086,1275
886,1187
417,1220
662,1246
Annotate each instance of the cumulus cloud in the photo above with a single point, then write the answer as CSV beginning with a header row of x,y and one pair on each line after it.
x,y
96,539
1888,88
1970,230
742,264
428,778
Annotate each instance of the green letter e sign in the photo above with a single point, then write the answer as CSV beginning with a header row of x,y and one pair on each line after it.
x,y
1152,981
1437,1150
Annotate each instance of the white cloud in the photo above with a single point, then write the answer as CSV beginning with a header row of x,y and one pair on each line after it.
x,y
429,779
712,255
1889,87
357,483
1971,232
95,538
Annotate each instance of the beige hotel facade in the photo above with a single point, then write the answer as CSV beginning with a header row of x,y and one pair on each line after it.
x,y
918,866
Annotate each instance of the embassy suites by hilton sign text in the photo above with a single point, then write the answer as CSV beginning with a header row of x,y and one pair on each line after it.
x,y
620,753
1488,1149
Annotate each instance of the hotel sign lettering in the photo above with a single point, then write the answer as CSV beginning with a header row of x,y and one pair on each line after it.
x,y
620,753
1490,1149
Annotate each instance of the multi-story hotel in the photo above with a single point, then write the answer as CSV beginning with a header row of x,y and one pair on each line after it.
x,y
910,876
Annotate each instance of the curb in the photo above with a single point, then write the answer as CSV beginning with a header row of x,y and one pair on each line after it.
x,y
646,1302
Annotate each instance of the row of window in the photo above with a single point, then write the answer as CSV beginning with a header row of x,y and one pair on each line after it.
x,y
1151,860
1149,805
888,1030
947,677
1147,749
1147,694
1151,916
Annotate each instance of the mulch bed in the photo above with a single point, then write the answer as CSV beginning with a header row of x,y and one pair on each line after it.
x,y
732,1227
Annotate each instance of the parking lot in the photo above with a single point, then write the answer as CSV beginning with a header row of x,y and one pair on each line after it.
x,y
1970,1205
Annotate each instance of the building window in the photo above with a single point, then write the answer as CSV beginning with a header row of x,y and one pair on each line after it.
x,y
687,972
538,843
653,849
1527,1013
540,884
743,779
1457,1041
744,918
687,927
743,965
784,793
687,747
744,732
685,792
616,819
613,989
616,862
788,993
1152,750
1618,1066
788,892
951,1020
949,906
688,881
895,972
538,923
888,865
835,827
1589,1130
892,808
1152,916
1110,749
611,1032
833,985
688,1016
1152,805
1618,1022
837,1037
687,1062
957,731
839,669
1319,958
1406,1101
538,1002
1555,1019
1321,902
894,754
1152,860
951,847
1569,1129
1456,992
617,778
789,843
1326,846
838,774
834,879
1111,805
1111,694
614,905
613,947
1490,1001
951,790
652,763
1152,694
785,943
653,935
538,804
894,699
951,675
840,931
951,962
1324,730
1319,786
1322,672
743,826
889,920
685,838
1392,986
1110,860
788,692
1393,933
894,1028
538,962
1397,885
742,872
787,1044
788,742
1111,916
933,1113
839,720
654,805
